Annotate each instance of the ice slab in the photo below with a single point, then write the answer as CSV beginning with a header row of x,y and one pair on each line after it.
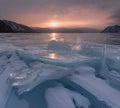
x,y
114,79
29,78
15,102
8,63
60,97
5,89
113,60
111,70
91,49
71,60
98,87
57,53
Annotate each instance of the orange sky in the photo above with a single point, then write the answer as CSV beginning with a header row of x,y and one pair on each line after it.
x,y
87,18
67,13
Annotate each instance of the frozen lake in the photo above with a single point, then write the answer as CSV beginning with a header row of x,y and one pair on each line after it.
x,y
39,39
58,70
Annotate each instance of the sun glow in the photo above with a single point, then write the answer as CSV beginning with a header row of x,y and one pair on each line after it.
x,y
52,56
54,24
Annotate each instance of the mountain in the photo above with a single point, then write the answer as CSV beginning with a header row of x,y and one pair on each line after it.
x,y
66,30
12,27
112,29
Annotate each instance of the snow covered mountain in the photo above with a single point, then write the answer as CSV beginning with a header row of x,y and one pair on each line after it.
x,y
112,29
12,27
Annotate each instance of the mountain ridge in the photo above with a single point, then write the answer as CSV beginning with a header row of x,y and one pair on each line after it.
x,y
112,29
13,27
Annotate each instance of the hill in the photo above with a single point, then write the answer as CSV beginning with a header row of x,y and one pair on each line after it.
x,y
112,29
13,27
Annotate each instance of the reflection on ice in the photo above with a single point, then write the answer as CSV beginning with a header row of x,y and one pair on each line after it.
x,y
53,56
53,36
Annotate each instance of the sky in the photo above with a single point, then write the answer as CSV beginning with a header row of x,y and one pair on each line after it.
x,y
67,13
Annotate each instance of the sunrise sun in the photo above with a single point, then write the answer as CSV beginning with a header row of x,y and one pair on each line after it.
x,y
54,24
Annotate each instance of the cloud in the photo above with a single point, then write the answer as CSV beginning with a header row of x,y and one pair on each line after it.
x,y
115,17
35,12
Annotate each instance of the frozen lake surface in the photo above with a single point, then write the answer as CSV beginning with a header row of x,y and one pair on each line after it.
x,y
60,70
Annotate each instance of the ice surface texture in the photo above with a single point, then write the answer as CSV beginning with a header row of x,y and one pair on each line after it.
x,y
65,98
92,74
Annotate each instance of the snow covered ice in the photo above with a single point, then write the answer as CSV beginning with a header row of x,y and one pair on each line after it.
x,y
88,77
